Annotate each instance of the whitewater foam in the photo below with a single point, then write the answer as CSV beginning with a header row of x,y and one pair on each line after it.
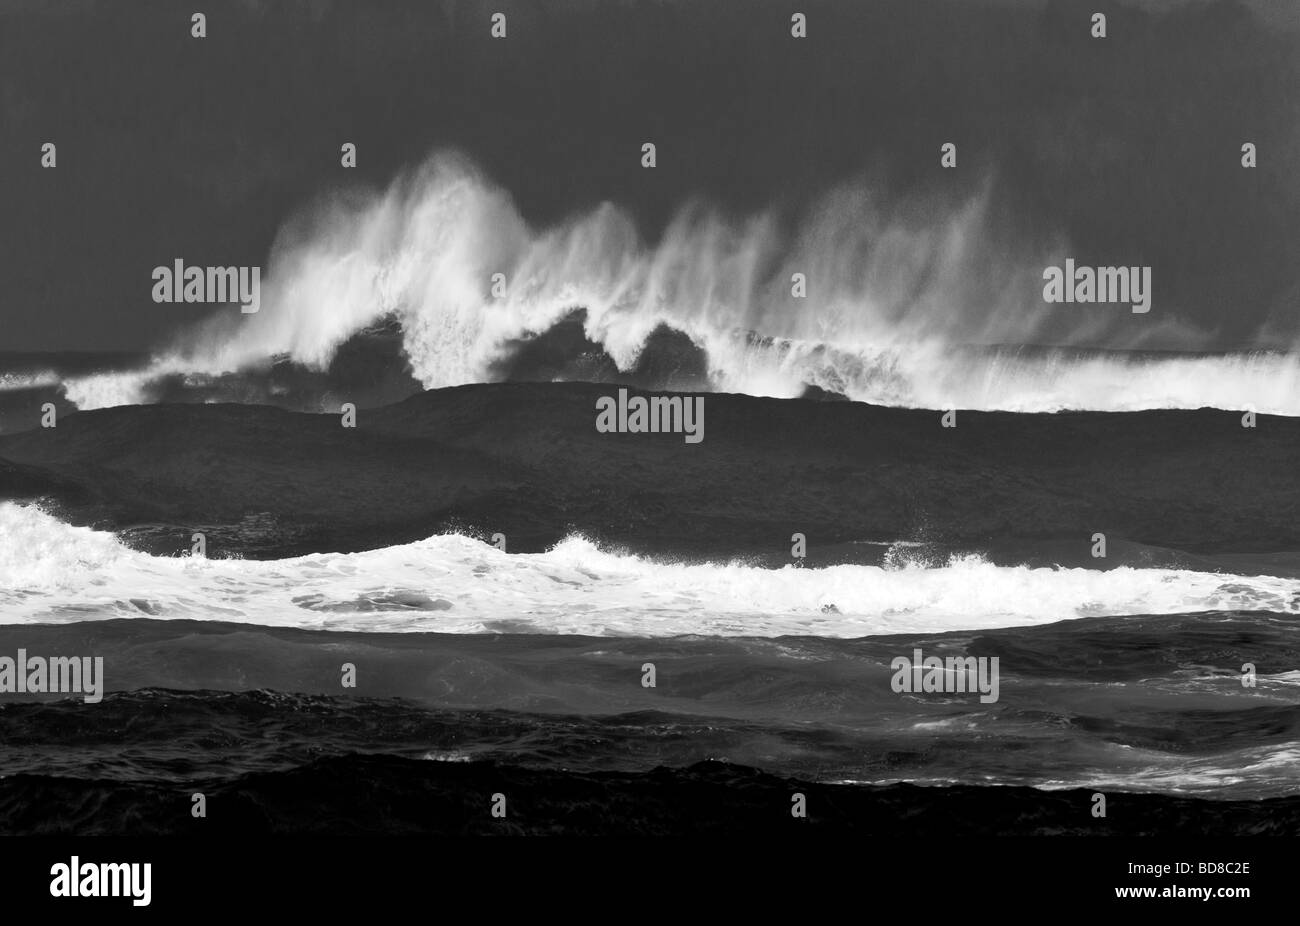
x,y
53,572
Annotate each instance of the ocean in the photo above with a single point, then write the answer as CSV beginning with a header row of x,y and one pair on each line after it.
x,y
474,593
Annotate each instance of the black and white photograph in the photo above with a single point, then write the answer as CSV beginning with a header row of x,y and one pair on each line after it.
x,y
874,421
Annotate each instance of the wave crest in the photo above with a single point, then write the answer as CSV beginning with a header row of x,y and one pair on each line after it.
x,y
900,297
50,571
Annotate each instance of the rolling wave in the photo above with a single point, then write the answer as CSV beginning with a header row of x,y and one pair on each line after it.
x,y
53,572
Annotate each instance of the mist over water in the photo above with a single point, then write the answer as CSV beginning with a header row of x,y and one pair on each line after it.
x,y
904,303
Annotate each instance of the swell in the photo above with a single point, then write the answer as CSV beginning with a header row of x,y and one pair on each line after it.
x,y
1135,703
526,460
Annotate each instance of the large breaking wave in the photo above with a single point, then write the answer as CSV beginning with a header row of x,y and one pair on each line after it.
x,y
902,300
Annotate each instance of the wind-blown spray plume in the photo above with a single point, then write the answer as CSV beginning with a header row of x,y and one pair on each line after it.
x,y
903,302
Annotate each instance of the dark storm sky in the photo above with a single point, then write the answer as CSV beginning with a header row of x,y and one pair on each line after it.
x,y
174,147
